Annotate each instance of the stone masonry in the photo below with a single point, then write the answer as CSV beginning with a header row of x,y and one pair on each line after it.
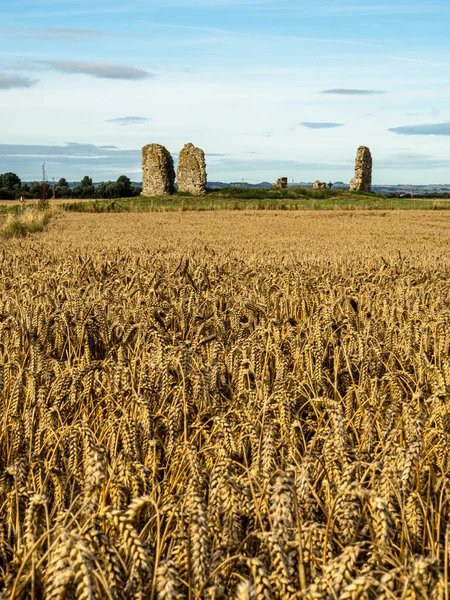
x,y
282,182
158,174
191,171
319,185
362,181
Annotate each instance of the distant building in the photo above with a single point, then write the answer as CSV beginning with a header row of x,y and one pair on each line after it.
x,y
319,185
282,182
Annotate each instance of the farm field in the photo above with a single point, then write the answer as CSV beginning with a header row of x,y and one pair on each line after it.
x,y
228,404
213,202
241,199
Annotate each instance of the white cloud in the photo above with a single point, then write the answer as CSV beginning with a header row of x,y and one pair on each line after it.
x,y
128,121
352,92
101,70
320,125
9,82
426,129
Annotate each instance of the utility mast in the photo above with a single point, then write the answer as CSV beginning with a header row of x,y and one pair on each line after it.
x,y
43,202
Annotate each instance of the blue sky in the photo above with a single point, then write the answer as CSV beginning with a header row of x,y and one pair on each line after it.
x,y
268,88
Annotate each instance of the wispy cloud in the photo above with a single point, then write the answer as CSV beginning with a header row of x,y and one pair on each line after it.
x,y
407,161
386,8
426,129
226,3
268,164
63,34
71,159
320,125
57,9
419,61
124,121
254,35
318,7
73,150
9,82
101,70
352,92
412,161
74,160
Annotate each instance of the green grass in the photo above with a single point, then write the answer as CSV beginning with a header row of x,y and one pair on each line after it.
x,y
285,194
250,199
259,199
6,209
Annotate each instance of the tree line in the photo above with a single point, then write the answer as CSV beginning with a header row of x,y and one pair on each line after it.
x,y
12,188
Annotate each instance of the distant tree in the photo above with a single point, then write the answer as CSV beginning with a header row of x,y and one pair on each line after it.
x,y
35,189
78,191
100,190
121,188
10,181
330,185
62,189
108,189
6,194
124,187
85,189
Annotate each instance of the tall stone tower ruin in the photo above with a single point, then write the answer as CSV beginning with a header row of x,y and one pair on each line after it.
x,y
362,181
158,173
191,171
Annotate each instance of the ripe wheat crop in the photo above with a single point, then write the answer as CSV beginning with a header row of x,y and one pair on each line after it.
x,y
214,424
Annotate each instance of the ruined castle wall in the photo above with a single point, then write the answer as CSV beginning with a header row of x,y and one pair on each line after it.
x,y
191,171
158,174
281,182
319,185
362,181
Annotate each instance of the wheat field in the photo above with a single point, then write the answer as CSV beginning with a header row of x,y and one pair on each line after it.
x,y
219,406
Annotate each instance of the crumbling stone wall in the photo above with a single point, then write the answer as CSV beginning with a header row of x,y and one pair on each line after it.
x,y
158,173
282,182
191,171
362,181
319,185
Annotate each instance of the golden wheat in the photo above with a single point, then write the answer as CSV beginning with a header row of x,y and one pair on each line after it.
x,y
199,420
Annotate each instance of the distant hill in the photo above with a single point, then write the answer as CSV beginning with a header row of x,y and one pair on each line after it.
x,y
340,185
217,185
387,189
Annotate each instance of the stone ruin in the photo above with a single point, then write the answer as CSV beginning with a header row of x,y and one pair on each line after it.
x,y
319,185
282,182
362,181
158,174
191,171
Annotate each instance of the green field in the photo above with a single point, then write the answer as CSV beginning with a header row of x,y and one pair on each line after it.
x,y
259,200
248,199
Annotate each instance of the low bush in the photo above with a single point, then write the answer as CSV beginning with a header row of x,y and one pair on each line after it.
x,y
20,225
